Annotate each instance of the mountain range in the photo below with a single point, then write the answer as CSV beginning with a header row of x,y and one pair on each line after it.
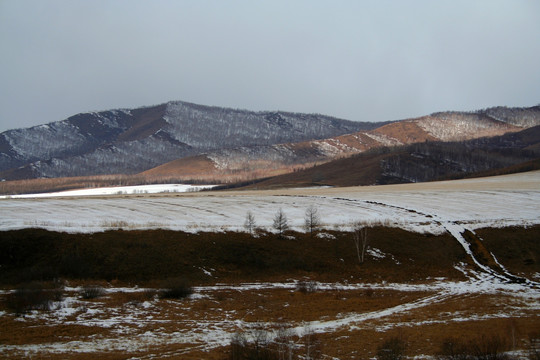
x,y
187,141
251,162
130,141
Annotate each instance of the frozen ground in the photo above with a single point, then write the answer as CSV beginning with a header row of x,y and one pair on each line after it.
x,y
130,323
428,207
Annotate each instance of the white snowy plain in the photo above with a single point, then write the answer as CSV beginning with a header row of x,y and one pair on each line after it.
x,y
426,208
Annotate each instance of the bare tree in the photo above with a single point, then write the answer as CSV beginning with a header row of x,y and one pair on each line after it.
x,y
249,224
285,343
312,344
280,222
361,241
312,220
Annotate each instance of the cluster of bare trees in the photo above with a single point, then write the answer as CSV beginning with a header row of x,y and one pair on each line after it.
x,y
281,344
312,223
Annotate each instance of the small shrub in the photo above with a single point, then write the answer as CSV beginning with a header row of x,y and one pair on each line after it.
x,y
488,348
534,347
306,287
258,348
33,296
481,348
91,292
453,349
369,292
176,289
392,349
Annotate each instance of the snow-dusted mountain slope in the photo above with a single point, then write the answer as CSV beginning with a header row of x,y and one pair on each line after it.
x,y
249,162
127,141
130,141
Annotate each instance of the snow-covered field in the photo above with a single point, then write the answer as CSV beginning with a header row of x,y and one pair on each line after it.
x,y
427,207
115,190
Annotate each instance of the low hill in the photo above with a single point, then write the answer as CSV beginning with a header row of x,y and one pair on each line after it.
x,y
427,161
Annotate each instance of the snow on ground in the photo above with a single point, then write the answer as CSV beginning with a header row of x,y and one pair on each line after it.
x,y
116,190
126,322
430,207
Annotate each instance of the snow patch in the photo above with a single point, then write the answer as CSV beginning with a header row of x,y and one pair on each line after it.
x,y
117,190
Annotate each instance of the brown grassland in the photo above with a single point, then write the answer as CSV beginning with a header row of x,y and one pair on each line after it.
x,y
396,296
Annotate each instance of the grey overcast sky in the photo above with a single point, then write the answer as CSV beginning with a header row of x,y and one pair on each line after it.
x,y
359,60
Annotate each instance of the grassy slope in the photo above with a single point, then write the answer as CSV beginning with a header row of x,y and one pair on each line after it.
x,y
142,256
518,249
154,255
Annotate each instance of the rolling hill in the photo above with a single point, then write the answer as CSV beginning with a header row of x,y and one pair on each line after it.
x,y
188,142
252,162
419,162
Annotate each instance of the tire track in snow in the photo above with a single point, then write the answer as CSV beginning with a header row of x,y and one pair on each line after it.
x,y
457,231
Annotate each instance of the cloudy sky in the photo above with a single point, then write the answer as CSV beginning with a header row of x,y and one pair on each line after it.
x,y
359,60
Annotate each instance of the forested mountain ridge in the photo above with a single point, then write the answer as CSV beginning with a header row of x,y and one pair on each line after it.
x,y
423,161
250,162
128,141
215,140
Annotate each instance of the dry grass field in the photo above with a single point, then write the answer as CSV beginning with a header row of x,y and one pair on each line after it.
x,y
347,323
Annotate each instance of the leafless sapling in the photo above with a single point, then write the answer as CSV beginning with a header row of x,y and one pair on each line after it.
x,y
312,344
361,241
312,220
250,224
280,222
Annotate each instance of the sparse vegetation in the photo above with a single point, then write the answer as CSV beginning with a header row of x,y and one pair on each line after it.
x,y
33,296
392,349
92,292
154,255
151,257
177,288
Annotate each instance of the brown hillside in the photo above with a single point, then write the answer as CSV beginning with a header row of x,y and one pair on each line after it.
x,y
192,166
362,169
406,132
